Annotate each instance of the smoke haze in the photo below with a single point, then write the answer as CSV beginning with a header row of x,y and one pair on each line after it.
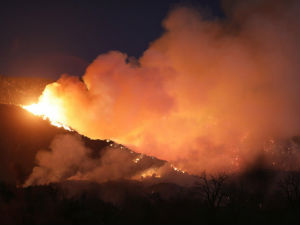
x,y
68,158
206,95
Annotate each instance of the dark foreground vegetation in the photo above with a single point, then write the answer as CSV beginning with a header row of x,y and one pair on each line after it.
x,y
259,197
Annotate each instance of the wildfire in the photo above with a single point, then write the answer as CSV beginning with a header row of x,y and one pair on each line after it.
x,y
152,172
46,112
136,160
49,108
177,169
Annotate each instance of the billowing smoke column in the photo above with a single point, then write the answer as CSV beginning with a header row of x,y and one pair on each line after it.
x,y
206,95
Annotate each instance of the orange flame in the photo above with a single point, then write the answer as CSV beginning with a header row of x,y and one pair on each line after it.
x,y
49,108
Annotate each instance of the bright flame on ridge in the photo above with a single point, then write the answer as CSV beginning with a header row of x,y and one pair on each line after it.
x,y
48,108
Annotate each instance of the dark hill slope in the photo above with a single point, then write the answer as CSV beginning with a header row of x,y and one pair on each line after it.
x,y
22,135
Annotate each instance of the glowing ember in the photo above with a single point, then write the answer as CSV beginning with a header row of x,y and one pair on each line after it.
x,y
136,160
177,169
152,172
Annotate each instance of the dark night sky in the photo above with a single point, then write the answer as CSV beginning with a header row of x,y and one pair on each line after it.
x,y
48,38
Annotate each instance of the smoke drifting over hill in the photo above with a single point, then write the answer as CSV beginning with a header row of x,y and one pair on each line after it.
x,y
207,95
70,159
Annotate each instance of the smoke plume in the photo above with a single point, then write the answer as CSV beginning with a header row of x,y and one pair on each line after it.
x,y
206,95
68,158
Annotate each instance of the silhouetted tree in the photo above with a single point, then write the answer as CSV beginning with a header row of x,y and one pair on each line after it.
x,y
290,187
212,189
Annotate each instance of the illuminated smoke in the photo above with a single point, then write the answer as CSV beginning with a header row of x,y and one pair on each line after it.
x,y
69,159
205,96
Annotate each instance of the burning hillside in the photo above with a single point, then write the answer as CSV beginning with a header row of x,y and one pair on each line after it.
x,y
208,95
48,154
201,128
